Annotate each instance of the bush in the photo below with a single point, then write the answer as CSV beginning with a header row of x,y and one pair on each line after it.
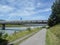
x,y
29,29
3,41
5,35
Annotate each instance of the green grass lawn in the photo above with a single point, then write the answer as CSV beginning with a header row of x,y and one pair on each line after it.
x,y
53,35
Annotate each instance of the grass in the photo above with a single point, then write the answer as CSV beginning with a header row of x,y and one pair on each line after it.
x,y
21,34
17,35
53,35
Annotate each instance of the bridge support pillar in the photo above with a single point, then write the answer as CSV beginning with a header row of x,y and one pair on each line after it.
x,y
3,26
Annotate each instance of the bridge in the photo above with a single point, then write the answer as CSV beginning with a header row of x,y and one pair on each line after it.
x,y
22,22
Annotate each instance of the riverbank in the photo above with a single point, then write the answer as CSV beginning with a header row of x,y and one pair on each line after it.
x,y
53,35
19,35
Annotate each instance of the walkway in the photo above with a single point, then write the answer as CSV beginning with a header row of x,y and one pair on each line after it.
x,y
37,39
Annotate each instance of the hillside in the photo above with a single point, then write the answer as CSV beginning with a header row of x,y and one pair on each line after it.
x,y
53,35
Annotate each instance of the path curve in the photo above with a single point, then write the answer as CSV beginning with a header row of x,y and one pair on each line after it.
x,y
37,39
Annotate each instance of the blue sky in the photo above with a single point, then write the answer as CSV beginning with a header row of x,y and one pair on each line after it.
x,y
25,9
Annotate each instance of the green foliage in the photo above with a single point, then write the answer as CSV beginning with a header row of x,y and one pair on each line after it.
x,y
29,29
3,41
5,35
55,15
43,26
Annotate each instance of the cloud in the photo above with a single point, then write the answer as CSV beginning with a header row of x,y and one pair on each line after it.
x,y
44,10
28,13
39,4
22,8
5,9
39,18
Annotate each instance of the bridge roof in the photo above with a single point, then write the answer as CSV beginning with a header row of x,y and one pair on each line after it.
x,y
21,21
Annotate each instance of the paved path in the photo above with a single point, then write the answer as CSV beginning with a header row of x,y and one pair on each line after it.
x,y
37,39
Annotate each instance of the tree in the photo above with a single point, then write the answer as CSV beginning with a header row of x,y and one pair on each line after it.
x,y
55,15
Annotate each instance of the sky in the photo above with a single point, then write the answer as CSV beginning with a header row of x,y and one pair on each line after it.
x,y
25,9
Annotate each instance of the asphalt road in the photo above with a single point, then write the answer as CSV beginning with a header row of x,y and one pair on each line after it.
x,y
37,39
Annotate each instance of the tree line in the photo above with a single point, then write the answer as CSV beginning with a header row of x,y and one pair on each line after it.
x,y
55,15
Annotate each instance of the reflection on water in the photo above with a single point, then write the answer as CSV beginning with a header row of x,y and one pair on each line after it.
x,y
11,30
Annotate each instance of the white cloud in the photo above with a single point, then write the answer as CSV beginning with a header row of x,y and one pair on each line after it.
x,y
44,10
5,9
39,4
11,0
1,15
26,8
27,13
39,17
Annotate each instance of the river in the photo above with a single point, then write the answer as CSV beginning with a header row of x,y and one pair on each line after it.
x,y
11,30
